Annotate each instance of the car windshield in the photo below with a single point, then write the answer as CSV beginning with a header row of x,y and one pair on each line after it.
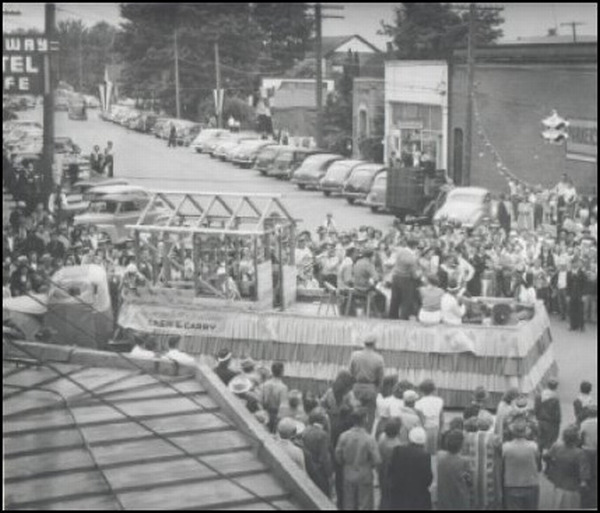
x,y
104,207
381,180
268,153
360,175
338,170
285,156
317,160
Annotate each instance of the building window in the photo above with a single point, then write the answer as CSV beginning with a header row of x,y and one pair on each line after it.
x,y
457,161
363,126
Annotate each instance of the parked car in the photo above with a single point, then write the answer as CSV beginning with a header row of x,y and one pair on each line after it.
x,y
112,213
376,197
287,160
225,150
266,157
359,182
313,168
468,206
336,176
245,153
207,135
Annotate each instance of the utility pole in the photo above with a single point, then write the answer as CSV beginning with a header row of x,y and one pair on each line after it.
x,y
471,59
218,107
573,25
49,85
470,92
81,61
319,51
319,76
177,102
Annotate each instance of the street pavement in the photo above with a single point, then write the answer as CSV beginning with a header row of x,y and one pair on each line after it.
x,y
146,160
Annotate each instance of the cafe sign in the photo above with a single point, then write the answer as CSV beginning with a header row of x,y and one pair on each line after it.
x,y
582,143
22,64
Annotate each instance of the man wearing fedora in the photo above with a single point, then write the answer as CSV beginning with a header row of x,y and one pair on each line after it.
x,y
222,369
367,368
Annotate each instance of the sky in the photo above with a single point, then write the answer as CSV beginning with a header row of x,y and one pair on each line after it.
x,y
521,19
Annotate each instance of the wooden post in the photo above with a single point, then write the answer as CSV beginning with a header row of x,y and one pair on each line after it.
x,y
196,267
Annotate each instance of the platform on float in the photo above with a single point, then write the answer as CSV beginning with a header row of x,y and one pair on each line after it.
x,y
316,347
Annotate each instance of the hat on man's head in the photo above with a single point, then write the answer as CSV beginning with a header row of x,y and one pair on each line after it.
x,y
240,385
417,436
287,428
131,269
369,339
223,355
248,364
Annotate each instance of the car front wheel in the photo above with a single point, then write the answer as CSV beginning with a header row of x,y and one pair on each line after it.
x,y
350,200
327,193
301,186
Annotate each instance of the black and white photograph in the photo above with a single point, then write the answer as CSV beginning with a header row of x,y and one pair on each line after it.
x,y
299,256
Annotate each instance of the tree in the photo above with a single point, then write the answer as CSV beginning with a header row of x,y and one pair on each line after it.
x,y
286,29
84,52
434,30
251,39
337,129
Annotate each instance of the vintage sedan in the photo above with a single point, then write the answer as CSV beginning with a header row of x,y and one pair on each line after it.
x,y
200,143
336,176
288,159
468,206
245,153
309,174
112,213
359,182
266,158
376,197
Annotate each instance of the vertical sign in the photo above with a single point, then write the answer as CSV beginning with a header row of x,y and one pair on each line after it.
x,y
22,64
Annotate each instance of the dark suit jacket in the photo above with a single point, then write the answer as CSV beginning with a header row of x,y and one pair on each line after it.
x,y
409,478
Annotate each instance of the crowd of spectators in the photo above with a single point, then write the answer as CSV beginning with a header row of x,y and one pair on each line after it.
x,y
373,428
406,270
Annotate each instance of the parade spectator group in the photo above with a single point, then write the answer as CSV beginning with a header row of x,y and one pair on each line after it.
x,y
371,428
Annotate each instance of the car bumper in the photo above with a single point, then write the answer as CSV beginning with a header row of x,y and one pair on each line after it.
x,y
357,196
307,182
278,172
331,188
243,161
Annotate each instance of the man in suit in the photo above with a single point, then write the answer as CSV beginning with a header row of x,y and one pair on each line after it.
x,y
97,160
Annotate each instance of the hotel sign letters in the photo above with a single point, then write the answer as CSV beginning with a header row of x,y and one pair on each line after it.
x,y
22,64
582,143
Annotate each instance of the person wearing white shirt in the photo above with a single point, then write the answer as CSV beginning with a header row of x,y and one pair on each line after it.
x,y
432,408
175,354
144,350
452,310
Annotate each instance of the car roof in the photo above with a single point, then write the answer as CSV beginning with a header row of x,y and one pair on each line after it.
x,y
117,189
324,156
116,198
350,162
109,182
473,191
370,166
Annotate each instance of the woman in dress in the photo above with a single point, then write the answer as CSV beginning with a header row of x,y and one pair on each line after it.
x,y
432,408
482,449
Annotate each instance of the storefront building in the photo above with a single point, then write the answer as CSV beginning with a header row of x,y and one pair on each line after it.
x,y
516,87
416,112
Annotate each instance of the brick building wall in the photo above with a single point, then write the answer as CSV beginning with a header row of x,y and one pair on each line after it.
x,y
513,98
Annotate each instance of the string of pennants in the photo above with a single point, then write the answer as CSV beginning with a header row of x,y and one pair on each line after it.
x,y
555,132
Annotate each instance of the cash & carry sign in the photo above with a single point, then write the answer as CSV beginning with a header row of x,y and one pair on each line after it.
x,y
22,64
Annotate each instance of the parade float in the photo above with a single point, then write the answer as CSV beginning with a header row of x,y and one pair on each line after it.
x,y
263,320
